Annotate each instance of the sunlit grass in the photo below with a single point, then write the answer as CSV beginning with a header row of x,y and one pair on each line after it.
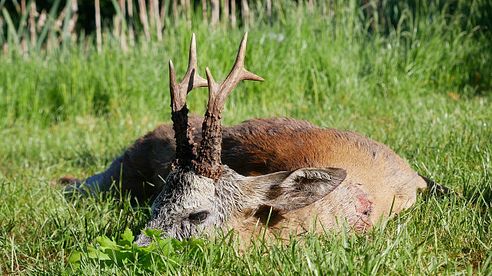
x,y
425,92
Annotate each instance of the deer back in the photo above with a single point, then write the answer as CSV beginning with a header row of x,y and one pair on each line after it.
x,y
267,145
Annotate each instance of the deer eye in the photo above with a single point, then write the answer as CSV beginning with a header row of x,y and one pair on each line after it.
x,y
198,217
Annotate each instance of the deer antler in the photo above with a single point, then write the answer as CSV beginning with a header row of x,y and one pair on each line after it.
x,y
185,150
208,162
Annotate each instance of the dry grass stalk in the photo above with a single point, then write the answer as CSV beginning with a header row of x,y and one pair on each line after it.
x,y
59,20
122,26
22,25
131,34
225,11
24,47
269,8
32,23
5,49
204,11
122,8
175,9
182,7
52,42
73,21
215,7
151,14
143,18
245,12
157,18
41,21
23,43
98,25
310,5
163,12
23,7
186,7
233,13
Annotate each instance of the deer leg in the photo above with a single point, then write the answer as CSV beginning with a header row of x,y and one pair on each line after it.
x,y
100,182
124,175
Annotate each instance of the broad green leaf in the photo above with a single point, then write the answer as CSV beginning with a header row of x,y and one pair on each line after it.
x,y
106,243
96,254
127,235
75,257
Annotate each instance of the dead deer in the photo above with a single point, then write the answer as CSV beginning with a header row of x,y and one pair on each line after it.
x,y
285,174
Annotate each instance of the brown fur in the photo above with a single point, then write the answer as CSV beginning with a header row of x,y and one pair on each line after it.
x,y
388,180
378,184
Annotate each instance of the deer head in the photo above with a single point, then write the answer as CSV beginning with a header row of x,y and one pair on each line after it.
x,y
201,193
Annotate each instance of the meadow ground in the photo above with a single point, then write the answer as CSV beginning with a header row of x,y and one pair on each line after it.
x,y
423,88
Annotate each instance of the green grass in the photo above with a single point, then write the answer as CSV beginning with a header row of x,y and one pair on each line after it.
x,y
423,88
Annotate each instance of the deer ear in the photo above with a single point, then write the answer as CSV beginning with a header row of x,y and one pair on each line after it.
x,y
286,191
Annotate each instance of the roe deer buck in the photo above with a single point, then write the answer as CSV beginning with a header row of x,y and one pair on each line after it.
x,y
286,172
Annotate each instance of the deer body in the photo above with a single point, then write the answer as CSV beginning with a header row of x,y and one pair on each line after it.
x,y
378,181
285,174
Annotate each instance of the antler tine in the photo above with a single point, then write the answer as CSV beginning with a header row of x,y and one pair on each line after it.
x,y
190,80
183,133
208,162
174,88
192,77
237,74
239,64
